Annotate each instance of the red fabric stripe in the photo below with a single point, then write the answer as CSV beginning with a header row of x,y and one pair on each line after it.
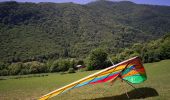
x,y
106,79
140,70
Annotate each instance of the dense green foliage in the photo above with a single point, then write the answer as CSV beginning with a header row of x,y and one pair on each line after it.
x,y
149,52
97,59
42,31
50,37
62,65
33,67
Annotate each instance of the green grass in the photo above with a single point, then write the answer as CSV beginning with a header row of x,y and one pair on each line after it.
x,y
33,87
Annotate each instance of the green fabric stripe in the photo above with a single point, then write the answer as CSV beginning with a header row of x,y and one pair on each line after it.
x,y
126,71
136,78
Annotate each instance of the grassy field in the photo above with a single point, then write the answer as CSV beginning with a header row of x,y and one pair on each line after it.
x,y
157,87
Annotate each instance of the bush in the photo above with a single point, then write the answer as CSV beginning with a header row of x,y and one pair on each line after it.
x,y
2,65
165,49
90,68
54,67
97,58
49,65
62,65
37,67
71,70
4,72
15,68
24,72
80,62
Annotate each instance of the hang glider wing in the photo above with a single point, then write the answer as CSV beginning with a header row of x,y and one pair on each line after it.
x,y
131,70
134,73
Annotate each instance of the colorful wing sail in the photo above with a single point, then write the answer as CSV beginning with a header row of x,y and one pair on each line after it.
x,y
134,73
129,70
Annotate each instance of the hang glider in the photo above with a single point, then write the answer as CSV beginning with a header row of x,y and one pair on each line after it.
x,y
130,70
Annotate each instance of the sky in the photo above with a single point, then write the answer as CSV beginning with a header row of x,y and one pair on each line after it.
x,y
152,2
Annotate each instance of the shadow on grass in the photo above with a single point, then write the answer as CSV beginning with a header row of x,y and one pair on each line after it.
x,y
133,94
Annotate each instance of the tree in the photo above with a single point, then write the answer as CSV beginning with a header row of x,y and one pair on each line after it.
x,y
64,64
97,59
15,68
165,49
2,65
4,72
54,67
37,67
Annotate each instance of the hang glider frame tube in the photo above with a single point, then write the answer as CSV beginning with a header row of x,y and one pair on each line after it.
x,y
90,76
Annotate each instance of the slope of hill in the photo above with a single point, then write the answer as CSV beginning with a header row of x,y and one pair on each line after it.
x,y
34,87
50,30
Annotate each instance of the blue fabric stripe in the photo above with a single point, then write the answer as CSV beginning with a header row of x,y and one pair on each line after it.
x,y
96,79
128,69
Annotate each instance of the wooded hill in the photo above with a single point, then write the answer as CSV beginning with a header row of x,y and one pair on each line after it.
x,y
30,31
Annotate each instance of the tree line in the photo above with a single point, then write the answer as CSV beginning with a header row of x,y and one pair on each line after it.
x,y
153,51
97,59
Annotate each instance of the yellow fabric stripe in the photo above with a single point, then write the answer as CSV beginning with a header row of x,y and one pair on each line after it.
x,y
104,72
133,72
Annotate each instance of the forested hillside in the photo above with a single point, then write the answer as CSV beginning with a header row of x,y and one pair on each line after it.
x,y
43,31
50,30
